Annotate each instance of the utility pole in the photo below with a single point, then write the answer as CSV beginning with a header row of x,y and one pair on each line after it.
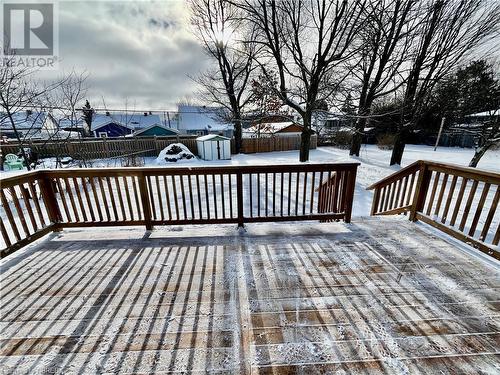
x,y
439,134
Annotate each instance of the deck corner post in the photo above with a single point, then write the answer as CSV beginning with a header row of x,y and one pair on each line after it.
x,y
375,201
146,204
424,178
351,184
239,198
50,199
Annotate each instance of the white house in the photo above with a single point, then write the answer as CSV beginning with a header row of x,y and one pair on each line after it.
x,y
201,120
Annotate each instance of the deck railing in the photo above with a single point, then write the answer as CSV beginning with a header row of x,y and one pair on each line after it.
x,y
460,201
36,203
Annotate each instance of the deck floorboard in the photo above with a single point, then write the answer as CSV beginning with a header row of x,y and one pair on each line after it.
x,y
377,296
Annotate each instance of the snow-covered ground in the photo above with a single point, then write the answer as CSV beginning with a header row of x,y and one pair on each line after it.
x,y
374,164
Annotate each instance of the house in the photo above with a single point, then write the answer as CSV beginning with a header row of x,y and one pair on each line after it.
x,y
273,129
202,120
28,124
156,130
121,124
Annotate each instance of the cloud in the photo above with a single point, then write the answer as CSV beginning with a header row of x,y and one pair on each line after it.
x,y
140,51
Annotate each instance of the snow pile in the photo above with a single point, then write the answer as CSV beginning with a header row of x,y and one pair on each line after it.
x,y
174,153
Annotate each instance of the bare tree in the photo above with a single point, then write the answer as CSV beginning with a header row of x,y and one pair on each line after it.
x,y
218,25
306,42
20,93
488,137
385,37
449,32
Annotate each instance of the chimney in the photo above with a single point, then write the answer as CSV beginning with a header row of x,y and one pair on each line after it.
x,y
107,113
145,113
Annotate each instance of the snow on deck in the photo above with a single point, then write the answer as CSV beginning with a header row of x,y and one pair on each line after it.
x,y
376,296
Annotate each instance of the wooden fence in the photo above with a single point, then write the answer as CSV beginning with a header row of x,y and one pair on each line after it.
x,y
434,193
98,148
36,203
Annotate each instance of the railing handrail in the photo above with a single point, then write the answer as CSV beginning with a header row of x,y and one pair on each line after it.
x,y
469,171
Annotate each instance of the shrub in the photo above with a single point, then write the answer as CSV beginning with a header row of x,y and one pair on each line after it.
x,y
386,141
174,150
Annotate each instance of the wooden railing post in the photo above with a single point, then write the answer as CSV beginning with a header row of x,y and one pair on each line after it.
x,y
239,198
349,198
50,199
424,178
146,204
375,201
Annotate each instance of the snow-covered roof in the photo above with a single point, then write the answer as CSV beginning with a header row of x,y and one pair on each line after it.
x,y
129,120
23,120
71,123
155,125
212,137
486,113
201,118
270,127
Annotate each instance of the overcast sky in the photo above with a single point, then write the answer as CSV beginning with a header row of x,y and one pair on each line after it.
x,y
141,51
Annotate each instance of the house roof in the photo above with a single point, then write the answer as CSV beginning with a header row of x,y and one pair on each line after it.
x,y
155,126
23,120
271,127
201,118
486,113
212,137
129,120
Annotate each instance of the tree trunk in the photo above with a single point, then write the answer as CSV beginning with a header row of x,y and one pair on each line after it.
x,y
357,138
305,139
399,147
480,151
237,135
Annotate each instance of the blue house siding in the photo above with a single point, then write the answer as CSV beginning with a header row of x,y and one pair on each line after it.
x,y
112,130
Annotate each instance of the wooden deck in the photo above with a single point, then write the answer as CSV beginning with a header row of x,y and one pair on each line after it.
x,y
377,296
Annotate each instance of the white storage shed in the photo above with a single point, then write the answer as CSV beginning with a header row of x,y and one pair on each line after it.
x,y
214,147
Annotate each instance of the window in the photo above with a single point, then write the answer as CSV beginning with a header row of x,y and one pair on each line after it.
x,y
200,132
103,135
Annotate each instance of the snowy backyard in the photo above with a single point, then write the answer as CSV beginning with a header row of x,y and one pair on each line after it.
x,y
374,164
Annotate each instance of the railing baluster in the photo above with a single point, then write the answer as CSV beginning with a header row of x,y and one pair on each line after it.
x,y
160,200
120,198
71,199
250,194
104,199
96,200
274,193
10,217
176,203
79,198
198,193
281,195
468,205
5,235
433,193
183,194
167,196
222,196
191,201
458,203
127,195
449,199
296,194
441,193
87,197
112,197
479,209
63,199
37,203
230,177
491,213
206,196
28,207
214,191
140,213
